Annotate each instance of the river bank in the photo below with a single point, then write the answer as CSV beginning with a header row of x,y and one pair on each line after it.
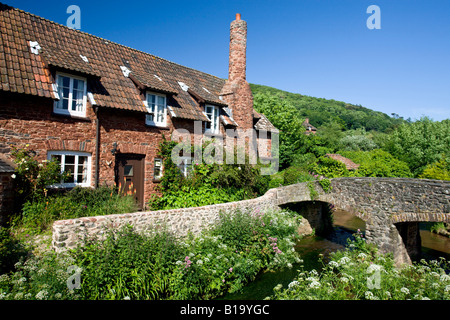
x,y
311,248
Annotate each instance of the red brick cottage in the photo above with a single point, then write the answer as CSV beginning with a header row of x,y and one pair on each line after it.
x,y
102,108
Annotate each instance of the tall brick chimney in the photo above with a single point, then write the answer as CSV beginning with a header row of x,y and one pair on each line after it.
x,y
236,91
238,48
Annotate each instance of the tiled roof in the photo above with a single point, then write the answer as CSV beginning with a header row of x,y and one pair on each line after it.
x,y
62,48
264,124
349,164
101,62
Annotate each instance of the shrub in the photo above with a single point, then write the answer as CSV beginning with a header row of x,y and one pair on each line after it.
x,y
357,143
378,163
127,264
41,277
32,176
330,168
206,183
11,250
440,170
79,202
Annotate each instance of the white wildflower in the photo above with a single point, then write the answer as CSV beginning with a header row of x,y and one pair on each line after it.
x,y
13,176
126,298
42,271
374,267
425,298
362,255
41,295
344,260
4,278
369,295
18,296
199,262
293,284
445,278
447,288
333,264
58,295
404,290
314,284
344,279
435,285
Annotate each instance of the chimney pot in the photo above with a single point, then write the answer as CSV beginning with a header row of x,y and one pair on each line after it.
x,y
238,16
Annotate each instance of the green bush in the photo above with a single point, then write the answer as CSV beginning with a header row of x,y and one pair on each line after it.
x,y
439,170
79,202
42,277
289,176
127,264
329,168
206,183
378,163
32,177
11,250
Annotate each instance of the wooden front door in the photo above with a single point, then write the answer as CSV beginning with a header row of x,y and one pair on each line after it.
x,y
129,173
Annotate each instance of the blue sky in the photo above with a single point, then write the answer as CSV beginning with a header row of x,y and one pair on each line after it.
x,y
320,48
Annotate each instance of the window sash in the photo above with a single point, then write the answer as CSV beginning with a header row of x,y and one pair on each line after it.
x,y
212,113
72,93
185,166
157,169
78,164
157,109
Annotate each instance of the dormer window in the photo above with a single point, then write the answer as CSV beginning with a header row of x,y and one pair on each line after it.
x,y
157,110
212,113
72,95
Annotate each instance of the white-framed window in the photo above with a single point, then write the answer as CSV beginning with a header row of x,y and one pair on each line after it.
x,y
212,112
77,166
157,109
72,95
185,165
157,169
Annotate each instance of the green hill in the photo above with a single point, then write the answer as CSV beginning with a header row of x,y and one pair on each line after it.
x,y
324,111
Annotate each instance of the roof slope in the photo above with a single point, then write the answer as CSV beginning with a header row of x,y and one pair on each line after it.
x,y
25,72
349,164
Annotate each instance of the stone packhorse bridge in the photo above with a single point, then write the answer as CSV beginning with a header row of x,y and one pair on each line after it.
x,y
390,207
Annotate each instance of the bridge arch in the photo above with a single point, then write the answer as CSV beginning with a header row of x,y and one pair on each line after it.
x,y
386,205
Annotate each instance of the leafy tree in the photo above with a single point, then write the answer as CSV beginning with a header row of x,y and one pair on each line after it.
x,y
285,117
356,140
378,163
440,170
420,143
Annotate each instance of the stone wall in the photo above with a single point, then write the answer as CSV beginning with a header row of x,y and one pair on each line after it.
x,y
380,202
68,233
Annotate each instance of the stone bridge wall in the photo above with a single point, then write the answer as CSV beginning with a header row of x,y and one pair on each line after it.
x,y
68,233
380,202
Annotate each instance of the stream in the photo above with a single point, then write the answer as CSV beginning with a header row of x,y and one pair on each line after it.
x,y
310,247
